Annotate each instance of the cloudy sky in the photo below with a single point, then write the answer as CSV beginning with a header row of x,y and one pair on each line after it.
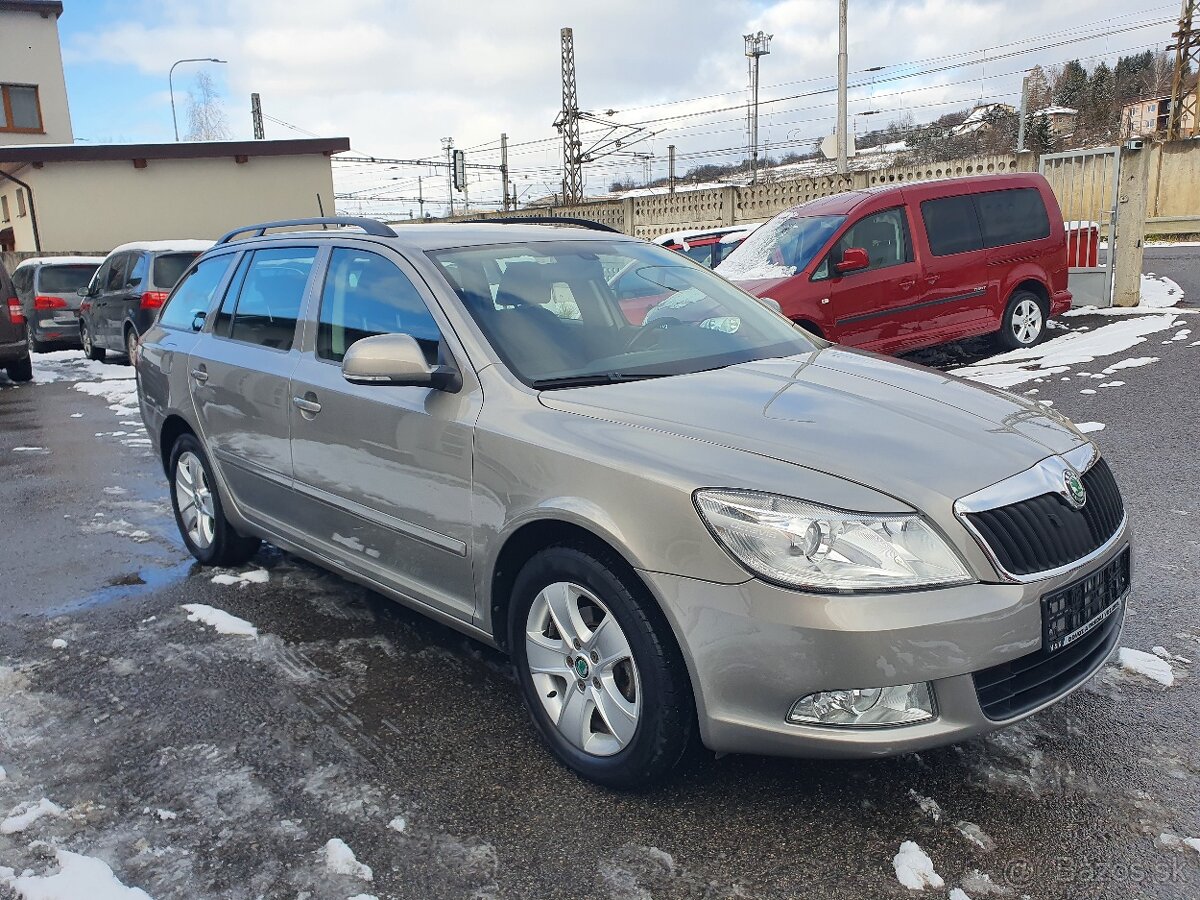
x,y
396,77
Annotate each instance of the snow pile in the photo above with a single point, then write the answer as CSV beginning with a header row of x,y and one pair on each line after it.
x,y
928,805
340,860
222,621
1147,665
58,644
398,824
1086,427
1131,363
121,395
78,877
959,894
25,814
254,576
975,835
1057,355
1156,293
914,869
364,897
1175,842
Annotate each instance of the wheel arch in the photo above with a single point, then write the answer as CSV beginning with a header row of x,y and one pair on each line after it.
x,y
174,427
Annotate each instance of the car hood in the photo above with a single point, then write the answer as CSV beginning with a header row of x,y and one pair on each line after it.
x,y
921,436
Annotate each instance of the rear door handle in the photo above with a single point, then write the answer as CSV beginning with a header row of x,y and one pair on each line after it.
x,y
311,407
932,279
200,375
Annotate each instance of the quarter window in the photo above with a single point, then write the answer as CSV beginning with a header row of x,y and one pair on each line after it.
x,y
365,295
952,225
1012,216
193,296
268,303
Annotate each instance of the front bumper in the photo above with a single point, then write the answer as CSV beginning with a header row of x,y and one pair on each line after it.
x,y
753,649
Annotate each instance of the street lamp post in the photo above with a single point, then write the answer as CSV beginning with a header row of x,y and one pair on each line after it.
x,y
171,83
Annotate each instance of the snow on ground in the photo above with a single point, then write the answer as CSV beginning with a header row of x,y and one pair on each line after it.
x,y
959,894
975,835
1086,427
928,805
78,877
254,576
914,869
58,644
1175,842
222,621
340,860
1057,355
25,814
1147,664
1156,293
398,824
364,897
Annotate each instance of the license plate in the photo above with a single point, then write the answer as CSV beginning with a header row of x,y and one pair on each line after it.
x,y
1074,611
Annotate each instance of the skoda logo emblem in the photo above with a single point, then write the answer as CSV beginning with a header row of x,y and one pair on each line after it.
x,y
1075,491
581,666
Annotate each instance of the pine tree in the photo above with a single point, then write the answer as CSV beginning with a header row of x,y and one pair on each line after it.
x,y
1071,88
1039,137
1101,112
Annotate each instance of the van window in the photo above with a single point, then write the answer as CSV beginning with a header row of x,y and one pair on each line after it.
x,y
169,266
1012,217
64,279
952,225
194,294
268,304
883,235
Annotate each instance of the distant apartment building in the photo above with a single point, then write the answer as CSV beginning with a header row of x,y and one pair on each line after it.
x,y
1151,116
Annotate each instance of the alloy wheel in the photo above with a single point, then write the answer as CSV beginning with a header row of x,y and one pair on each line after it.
x,y
1027,321
583,669
194,498
85,338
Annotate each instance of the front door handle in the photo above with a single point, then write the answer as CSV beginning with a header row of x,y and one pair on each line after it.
x,y
309,407
907,284
200,375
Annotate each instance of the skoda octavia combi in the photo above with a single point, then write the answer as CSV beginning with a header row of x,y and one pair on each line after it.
x,y
696,522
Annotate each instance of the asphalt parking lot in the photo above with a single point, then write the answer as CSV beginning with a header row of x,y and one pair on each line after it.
x,y
204,765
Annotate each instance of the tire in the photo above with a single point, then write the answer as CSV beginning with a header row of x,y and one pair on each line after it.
x,y
131,342
210,538
1024,321
90,350
35,346
22,370
642,686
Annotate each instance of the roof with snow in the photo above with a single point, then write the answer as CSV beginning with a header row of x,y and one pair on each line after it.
x,y
1056,111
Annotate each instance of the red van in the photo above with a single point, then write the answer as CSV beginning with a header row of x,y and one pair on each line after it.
x,y
897,267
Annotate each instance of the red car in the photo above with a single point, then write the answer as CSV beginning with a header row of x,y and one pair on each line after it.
x,y
897,267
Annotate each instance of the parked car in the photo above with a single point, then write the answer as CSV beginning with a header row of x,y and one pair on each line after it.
x,y
711,523
48,288
14,349
128,289
707,246
902,266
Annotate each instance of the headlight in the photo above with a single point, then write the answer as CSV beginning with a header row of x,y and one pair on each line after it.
x,y
805,545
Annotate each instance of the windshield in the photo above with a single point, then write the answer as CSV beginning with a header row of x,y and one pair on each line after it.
x,y
65,279
568,313
169,266
781,248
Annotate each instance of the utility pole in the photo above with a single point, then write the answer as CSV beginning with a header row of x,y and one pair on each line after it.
x,y
757,46
1023,114
448,146
504,169
671,168
843,165
1184,102
421,197
567,123
256,116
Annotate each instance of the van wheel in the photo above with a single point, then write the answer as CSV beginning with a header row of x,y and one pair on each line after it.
x,y
1024,322
603,678
131,342
198,513
90,350
22,370
35,346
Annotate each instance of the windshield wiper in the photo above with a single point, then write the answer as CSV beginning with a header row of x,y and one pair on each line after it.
x,y
570,381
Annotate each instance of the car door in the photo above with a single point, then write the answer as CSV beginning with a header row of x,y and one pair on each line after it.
x,y
89,311
109,306
956,292
868,305
240,373
383,472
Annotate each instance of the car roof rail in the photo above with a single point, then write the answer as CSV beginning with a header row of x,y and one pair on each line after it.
x,y
371,226
543,220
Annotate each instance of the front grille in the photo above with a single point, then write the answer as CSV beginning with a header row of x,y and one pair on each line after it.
x,y
1046,532
1016,687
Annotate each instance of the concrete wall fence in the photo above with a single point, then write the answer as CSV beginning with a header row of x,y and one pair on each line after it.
x,y
1173,206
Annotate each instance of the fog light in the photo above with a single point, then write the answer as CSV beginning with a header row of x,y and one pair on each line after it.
x,y
904,704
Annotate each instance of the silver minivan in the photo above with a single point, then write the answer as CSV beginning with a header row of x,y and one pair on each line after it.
x,y
683,517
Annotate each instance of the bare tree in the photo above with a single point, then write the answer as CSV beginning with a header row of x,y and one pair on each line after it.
x,y
206,113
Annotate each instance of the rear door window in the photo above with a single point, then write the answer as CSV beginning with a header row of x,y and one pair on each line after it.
x,y
952,225
1012,217
365,295
269,301
169,266
193,296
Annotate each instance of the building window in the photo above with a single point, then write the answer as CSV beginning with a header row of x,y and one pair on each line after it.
x,y
20,109
4,216
21,211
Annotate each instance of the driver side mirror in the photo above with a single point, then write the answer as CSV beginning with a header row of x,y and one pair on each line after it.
x,y
395,359
854,259
85,291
